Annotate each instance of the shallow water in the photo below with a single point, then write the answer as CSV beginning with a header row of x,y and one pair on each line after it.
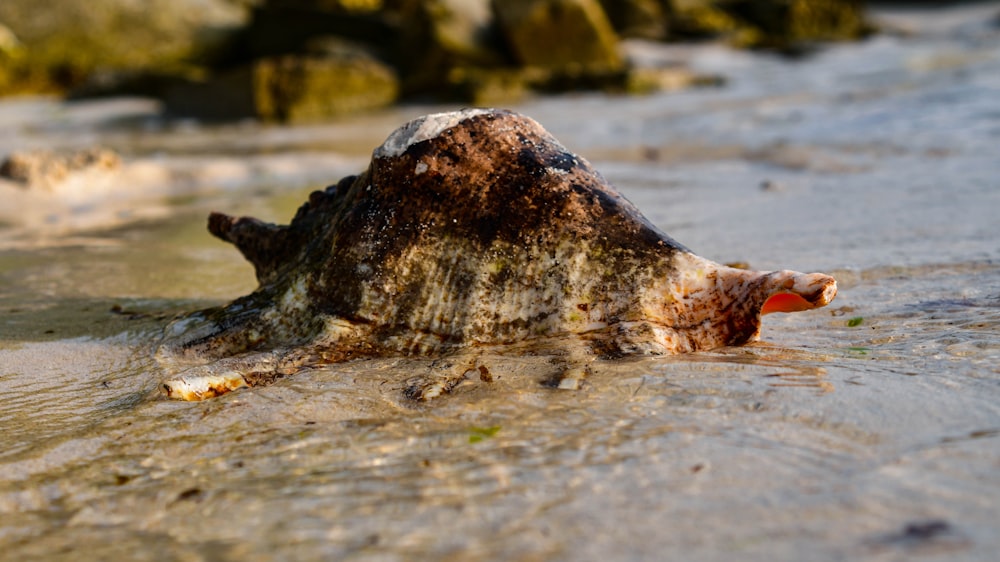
x,y
866,430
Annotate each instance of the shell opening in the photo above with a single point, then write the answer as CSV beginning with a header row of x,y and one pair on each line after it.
x,y
794,292
785,302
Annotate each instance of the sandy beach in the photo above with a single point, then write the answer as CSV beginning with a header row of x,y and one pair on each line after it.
x,y
867,430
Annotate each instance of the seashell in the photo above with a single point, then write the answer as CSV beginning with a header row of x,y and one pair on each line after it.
x,y
471,228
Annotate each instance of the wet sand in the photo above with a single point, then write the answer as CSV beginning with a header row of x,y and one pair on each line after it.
x,y
869,430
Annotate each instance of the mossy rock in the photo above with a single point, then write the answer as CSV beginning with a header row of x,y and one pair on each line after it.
x,y
279,28
827,20
290,88
66,43
643,19
342,6
310,88
9,43
450,43
774,24
487,87
559,34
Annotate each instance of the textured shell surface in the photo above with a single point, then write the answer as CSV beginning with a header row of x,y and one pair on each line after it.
x,y
468,230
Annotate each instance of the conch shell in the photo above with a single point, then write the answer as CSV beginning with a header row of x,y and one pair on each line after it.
x,y
471,228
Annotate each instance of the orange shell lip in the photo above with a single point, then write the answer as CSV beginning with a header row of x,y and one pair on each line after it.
x,y
785,302
799,292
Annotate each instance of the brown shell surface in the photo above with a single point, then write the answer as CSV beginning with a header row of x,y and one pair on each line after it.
x,y
488,231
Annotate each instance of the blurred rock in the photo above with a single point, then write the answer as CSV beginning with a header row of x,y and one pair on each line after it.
x,y
67,41
786,25
45,170
639,19
285,26
337,78
449,46
233,59
488,86
647,80
571,36
9,45
10,50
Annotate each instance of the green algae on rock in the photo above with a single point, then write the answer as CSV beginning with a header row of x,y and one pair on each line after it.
x,y
469,230
557,34
336,78
785,25
65,44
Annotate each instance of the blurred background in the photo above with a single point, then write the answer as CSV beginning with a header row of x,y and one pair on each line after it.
x,y
94,89
118,112
301,60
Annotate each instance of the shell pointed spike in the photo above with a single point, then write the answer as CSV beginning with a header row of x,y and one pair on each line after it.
x,y
718,305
